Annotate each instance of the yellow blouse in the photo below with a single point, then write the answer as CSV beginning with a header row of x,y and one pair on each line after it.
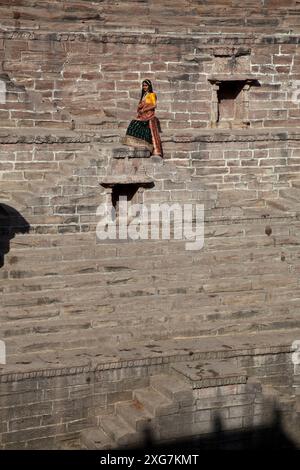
x,y
151,98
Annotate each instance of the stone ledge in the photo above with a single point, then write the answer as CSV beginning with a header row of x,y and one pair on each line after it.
x,y
235,135
41,229
126,179
176,350
52,136
123,151
235,77
210,373
148,37
127,37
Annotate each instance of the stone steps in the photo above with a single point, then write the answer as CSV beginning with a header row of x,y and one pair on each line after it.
x,y
114,270
89,343
89,348
119,431
85,274
211,280
54,330
92,312
225,295
95,438
155,402
222,236
90,317
65,293
83,259
165,256
235,292
134,413
84,310
174,388
203,374
69,285
163,408
123,252
128,426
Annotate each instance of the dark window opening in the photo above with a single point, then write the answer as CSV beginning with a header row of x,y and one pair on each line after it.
x,y
130,191
230,101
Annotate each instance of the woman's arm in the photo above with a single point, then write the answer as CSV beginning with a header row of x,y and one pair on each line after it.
x,y
145,108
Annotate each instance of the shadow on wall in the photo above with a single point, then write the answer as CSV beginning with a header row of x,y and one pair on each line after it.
x,y
270,436
11,223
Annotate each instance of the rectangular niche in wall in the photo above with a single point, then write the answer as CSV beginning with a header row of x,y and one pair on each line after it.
x,y
230,102
131,192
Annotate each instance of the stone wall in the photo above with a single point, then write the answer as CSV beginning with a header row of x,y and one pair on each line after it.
x,y
49,409
56,181
80,64
93,81
189,16
72,73
66,296
59,278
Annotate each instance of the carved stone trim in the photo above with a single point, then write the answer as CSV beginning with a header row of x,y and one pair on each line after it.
x,y
144,362
205,135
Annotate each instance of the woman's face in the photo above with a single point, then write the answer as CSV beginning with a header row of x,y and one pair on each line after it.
x,y
145,86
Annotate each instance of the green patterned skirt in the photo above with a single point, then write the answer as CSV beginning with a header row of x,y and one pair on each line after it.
x,y
139,134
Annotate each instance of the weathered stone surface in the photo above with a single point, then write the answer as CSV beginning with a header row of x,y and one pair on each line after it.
x,y
206,374
70,302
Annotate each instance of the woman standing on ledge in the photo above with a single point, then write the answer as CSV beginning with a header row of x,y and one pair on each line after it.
x,y
144,130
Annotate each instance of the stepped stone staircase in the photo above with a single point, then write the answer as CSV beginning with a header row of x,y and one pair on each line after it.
x,y
185,403
66,294
54,287
167,407
111,294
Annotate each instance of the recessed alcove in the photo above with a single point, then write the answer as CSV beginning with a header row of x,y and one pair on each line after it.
x,y
230,101
130,188
123,190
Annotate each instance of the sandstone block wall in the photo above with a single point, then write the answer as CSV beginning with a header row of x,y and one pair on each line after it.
x,y
72,86
55,181
79,65
72,73
50,409
93,81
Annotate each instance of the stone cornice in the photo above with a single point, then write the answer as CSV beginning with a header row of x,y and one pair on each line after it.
x,y
52,137
39,137
219,352
152,36
232,136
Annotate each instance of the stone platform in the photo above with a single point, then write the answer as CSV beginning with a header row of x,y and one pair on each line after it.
x,y
104,399
202,374
147,353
